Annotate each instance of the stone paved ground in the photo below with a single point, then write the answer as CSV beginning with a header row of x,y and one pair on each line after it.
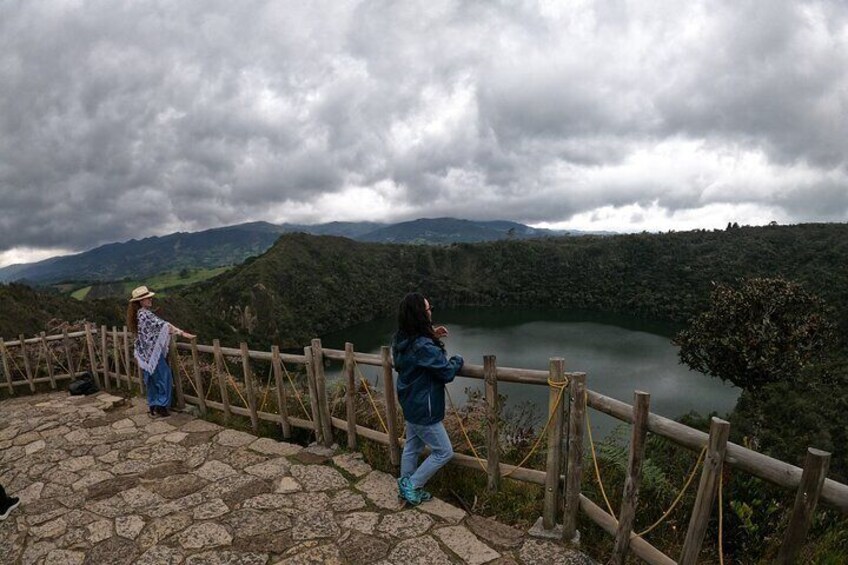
x,y
105,484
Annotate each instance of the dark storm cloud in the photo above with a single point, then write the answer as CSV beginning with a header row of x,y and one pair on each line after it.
x,y
128,119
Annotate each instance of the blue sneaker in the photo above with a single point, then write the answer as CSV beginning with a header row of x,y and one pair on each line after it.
x,y
425,496
408,492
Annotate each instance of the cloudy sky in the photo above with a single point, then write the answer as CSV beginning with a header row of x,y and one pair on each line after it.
x,y
123,120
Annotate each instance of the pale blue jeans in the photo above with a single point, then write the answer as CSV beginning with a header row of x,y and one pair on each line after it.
x,y
433,436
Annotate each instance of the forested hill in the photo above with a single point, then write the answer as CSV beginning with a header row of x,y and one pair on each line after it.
x,y
24,310
230,245
305,285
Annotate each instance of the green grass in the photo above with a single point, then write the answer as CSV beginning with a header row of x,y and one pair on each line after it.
x,y
81,293
158,283
172,279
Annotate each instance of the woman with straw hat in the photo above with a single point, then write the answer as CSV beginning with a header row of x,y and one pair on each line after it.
x,y
153,335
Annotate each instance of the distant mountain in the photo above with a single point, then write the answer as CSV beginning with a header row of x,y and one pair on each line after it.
x,y
353,230
452,230
231,245
144,257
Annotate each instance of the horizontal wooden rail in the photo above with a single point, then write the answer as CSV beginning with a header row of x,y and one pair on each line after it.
x,y
521,474
56,376
762,466
361,358
505,374
765,467
752,462
267,416
638,546
232,351
54,337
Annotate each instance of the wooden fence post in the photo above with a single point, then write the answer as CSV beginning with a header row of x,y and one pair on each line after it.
x,y
493,453
104,354
627,515
48,361
812,479
6,369
139,372
556,410
321,389
313,395
117,355
282,401
92,356
574,468
27,368
175,371
67,342
391,404
198,378
127,359
713,462
222,381
350,395
249,386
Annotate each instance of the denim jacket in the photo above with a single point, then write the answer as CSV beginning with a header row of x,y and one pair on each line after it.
x,y
423,370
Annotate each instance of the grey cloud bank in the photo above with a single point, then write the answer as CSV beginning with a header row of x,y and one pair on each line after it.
x,y
130,119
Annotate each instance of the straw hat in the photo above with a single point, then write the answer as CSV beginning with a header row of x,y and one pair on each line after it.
x,y
141,293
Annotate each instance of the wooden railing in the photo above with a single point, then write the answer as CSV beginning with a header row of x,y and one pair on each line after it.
x,y
262,376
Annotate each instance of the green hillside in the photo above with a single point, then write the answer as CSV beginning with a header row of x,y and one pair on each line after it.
x,y
27,311
305,285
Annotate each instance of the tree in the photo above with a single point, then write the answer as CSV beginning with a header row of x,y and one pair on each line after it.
x,y
764,331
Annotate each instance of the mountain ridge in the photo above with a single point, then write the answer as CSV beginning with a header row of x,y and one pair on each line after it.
x,y
230,245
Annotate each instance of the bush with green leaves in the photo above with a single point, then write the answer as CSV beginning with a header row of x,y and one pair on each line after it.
x,y
764,330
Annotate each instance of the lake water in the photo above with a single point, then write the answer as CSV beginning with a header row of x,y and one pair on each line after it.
x,y
619,355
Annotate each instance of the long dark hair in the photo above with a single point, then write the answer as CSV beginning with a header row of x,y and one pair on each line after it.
x,y
413,320
132,316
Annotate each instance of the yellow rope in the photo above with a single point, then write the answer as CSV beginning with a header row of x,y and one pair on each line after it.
x,y
464,432
181,369
374,404
296,393
595,461
232,381
364,382
209,388
561,386
38,363
267,388
15,363
677,499
57,362
679,495
82,356
720,520
358,370
80,360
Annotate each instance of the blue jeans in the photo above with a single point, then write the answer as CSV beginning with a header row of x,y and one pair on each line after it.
x,y
433,436
158,384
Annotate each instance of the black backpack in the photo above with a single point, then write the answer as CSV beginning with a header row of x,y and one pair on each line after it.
x,y
83,385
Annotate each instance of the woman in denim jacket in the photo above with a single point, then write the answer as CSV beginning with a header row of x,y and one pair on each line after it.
x,y
423,371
